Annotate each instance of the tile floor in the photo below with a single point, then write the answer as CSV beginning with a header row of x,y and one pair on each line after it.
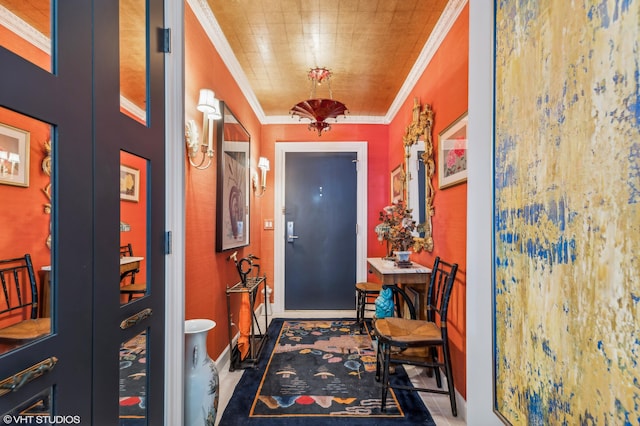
x,y
438,405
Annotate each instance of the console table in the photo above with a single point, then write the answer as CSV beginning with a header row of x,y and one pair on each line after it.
x,y
257,338
414,276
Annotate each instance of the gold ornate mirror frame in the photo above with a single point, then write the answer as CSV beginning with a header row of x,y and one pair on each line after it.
x,y
421,126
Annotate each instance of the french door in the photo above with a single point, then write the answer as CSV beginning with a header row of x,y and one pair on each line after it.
x,y
94,90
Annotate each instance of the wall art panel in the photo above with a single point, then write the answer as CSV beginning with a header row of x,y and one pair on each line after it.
x,y
567,212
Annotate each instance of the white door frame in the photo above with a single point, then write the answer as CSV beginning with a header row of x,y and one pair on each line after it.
x,y
282,148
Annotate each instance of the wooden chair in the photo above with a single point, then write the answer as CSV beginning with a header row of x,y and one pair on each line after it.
x,y
20,299
366,294
416,342
128,285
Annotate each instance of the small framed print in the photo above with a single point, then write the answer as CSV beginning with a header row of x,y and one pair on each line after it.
x,y
129,183
14,156
397,184
452,153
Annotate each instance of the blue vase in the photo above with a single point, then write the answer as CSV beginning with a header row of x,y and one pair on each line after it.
x,y
201,380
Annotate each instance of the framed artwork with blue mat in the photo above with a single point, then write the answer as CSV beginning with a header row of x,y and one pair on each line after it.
x,y
313,370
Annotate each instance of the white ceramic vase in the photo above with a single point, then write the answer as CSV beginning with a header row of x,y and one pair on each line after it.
x,y
201,381
403,256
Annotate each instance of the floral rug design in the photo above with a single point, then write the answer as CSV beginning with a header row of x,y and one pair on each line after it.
x,y
322,367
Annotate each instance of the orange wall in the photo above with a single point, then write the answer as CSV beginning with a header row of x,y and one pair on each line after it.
x,y
444,85
209,273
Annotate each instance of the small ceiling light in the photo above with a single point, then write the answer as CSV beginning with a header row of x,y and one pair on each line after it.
x,y
318,110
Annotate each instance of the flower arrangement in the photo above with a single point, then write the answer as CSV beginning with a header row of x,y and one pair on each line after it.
x,y
396,227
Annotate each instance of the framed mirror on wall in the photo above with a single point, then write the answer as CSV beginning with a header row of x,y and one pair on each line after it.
x,y
233,182
420,167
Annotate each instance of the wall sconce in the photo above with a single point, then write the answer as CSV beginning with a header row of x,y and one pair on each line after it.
x,y
210,108
263,165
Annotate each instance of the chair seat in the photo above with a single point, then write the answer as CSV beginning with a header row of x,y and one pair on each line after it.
x,y
27,329
369,287
407,331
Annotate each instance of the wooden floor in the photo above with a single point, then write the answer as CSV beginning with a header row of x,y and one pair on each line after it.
x,y
438,405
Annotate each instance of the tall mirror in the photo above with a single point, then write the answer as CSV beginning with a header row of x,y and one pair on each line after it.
x,y
420,168
232,206
133,227
25,240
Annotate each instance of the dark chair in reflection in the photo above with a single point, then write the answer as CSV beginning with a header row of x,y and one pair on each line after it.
x,y
128,285
19,301
419,342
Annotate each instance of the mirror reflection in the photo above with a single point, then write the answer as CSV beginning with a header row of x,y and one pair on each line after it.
x,y
25,246
38,405
133,227
133,378
25,29
133,59
416,184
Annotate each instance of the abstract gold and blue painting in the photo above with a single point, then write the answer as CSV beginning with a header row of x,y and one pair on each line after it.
x,y
567,212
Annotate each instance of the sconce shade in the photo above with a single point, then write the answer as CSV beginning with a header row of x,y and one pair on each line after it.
x,y
209,105
203,145
14,158
4,155
263,163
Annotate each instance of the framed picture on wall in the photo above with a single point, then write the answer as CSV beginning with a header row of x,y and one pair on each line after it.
x,y
14,156
233,180
129,183
397,184
235,186
452,153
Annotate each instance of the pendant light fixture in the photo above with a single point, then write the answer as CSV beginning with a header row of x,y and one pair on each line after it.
x,y
318,110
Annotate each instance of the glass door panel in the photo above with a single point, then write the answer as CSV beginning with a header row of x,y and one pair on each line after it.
x,y
133,59
133,227
25,188
133,378
25,29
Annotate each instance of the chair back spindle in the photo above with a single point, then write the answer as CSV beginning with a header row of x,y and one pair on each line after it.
x,y
12,273
439,292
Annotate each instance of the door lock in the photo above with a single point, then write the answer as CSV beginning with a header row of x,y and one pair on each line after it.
x,y
290,237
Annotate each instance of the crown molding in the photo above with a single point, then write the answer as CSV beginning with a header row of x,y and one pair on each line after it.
x,y
347,119
440,31
211,27
214,32
24,30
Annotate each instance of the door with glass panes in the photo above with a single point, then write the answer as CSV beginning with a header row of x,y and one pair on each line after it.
x,y
81,178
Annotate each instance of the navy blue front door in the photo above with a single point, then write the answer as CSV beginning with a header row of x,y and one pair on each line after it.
x,y
320,230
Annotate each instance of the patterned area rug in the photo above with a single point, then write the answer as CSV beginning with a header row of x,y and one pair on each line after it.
x,y
319,371
133,378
